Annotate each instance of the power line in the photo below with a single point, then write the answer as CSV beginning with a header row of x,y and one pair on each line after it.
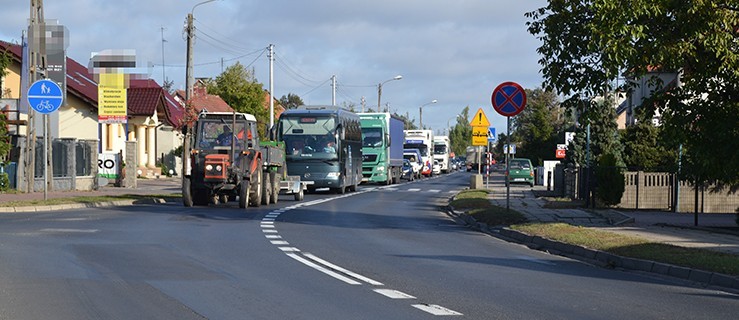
x,y
294,70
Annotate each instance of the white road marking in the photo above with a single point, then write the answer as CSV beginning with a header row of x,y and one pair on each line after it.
x,y
434,190
394,294
289,249
273,236
340,269
268,219
322,269
437,310
267,223
279,242
269,231
69,230
414,189
268,226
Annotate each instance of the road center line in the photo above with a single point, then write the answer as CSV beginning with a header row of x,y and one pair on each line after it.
x,y
342,270
322,269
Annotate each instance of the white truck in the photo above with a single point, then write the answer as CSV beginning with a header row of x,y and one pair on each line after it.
x,y
423,140
441,152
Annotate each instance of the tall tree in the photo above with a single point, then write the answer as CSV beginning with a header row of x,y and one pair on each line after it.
x,y
4,137
644,150
240,89
586,43
460,136
536,127
604,136
291,101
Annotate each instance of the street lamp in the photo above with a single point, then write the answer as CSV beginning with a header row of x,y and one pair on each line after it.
x,y
420,113
379,89
459,116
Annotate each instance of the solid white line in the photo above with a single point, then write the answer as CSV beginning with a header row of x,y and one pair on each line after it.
x,y
279,242
437,310
340,269
322,269
394,294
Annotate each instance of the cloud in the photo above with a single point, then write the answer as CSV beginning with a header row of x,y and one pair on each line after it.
x,y
452,51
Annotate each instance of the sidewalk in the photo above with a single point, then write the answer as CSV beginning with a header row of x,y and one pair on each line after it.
x,y
162,186
718,232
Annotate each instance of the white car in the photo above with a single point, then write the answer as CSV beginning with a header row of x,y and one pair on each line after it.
x,y
437,167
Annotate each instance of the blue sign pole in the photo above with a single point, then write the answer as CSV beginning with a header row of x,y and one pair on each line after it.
x,y
45,96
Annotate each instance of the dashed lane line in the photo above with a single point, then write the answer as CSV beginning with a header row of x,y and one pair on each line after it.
x,y
349,277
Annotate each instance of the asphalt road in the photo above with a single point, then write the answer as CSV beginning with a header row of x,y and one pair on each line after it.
x,y
384,252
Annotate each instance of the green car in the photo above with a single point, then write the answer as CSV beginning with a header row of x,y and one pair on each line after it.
x,y
521,171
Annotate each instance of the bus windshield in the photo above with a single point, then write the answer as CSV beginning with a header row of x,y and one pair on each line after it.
x,y
309,137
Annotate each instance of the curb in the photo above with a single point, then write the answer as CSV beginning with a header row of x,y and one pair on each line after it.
x,y
600,258
67,206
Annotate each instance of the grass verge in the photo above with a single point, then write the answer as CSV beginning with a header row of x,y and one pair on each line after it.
x,y
475,203
86,199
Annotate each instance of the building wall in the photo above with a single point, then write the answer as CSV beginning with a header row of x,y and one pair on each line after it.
x,y
12,81
77,119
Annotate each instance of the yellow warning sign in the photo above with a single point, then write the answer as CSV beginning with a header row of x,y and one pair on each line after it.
x,y
480,120
479,136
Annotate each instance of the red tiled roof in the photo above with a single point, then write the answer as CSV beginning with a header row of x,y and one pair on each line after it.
x,y
144,96
79,81
208,102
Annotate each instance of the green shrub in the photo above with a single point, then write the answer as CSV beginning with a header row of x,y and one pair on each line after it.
x,y
4,182
610,180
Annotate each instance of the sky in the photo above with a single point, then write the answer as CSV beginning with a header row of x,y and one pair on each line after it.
x,y
454,52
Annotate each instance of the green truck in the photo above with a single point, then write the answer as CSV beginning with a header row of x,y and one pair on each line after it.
x,y
382,147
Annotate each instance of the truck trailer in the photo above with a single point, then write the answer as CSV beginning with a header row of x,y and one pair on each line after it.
x,y
382,147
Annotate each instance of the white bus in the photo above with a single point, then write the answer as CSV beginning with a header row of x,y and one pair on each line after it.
x,y
423,140
441,152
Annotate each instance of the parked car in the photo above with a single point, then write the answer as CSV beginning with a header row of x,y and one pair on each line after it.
x,y
408,172
521,171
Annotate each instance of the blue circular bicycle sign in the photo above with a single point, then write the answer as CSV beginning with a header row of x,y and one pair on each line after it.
x,y
45,96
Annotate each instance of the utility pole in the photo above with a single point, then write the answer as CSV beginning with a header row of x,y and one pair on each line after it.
x,y
333,90
188,107
364,102
164,78
271,56
37,67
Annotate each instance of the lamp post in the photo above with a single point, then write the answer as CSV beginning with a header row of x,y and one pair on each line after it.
x,y
450,119
379,89
420,113
189,30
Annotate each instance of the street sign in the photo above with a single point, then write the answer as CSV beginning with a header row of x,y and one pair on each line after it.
x,y
491,134
561,152
480,120
508,99
512,149
45,96
479,136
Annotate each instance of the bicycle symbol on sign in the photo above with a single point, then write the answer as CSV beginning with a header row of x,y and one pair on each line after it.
x,y
45,105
